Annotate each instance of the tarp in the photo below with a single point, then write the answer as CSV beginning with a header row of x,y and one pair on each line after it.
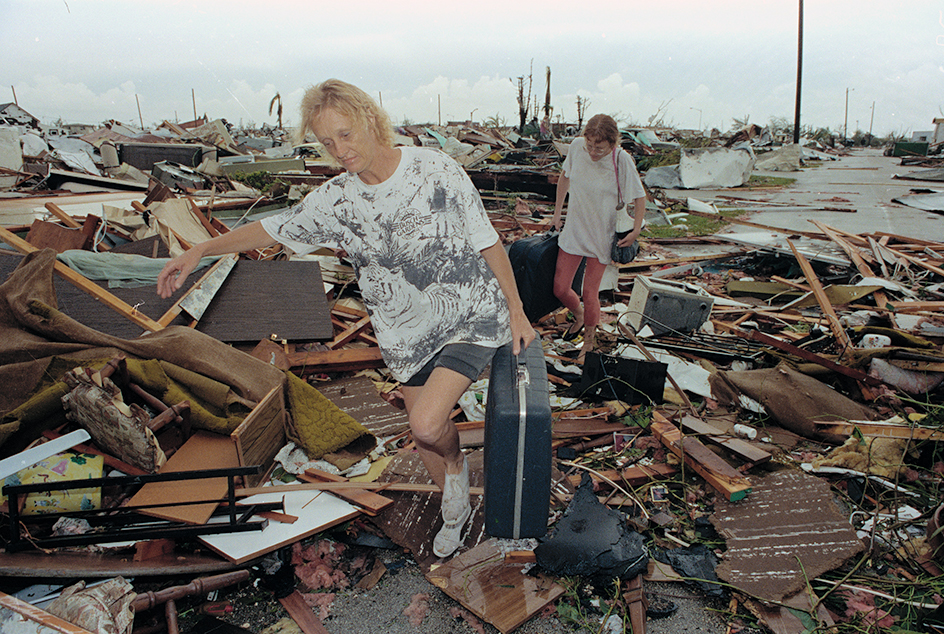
x,y
794,400
33,332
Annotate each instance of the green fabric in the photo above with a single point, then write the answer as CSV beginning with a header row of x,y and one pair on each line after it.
x,y
210,407
320,426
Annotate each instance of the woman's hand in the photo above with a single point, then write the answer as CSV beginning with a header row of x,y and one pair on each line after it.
x,y
629,238
172,276
522,332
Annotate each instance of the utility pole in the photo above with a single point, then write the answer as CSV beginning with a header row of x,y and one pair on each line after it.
x,y
796,114
140,119
871,120
845,122
193,97
14,96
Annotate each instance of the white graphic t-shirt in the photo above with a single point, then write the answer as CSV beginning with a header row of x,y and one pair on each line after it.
x,y
415,242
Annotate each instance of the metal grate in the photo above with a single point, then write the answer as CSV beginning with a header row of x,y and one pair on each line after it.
x,y
708,345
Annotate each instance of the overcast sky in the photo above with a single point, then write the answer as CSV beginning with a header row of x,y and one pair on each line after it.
x,y
694,63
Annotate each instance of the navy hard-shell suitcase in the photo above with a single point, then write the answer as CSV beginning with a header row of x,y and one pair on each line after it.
x,y
517,444
534,261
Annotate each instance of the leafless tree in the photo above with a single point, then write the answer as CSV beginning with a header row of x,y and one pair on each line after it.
x,y
277,98
582,103
524,98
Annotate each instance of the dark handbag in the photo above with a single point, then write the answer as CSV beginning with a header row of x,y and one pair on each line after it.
x,y
623,255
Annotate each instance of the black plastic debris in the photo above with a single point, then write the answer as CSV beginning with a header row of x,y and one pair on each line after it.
x,y
592,541
696,563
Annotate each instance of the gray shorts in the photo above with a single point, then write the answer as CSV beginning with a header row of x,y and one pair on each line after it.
x,y
468,359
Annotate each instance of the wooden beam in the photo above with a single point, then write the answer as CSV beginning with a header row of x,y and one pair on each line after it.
x,y
65,218
337,360
744,450
369,502
203,219
351,333
858,375
838,331
883,430
909,307
85,284
722,477
858,258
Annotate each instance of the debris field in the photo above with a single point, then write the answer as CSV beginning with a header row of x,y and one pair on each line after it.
x,y
760,422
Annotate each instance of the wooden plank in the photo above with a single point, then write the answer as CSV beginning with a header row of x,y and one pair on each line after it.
x,y
372,503
742,449
261,434
212,230
307,621
858,375
85,284
883,430
336,360
838,331
409,487
203,450
722,477
638,474
934,306
351,333
919,263
858,258
63,217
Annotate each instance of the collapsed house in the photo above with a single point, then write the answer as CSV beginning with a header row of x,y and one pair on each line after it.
x,y
761,419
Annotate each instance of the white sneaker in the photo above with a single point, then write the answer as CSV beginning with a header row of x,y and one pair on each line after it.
x,y
456,511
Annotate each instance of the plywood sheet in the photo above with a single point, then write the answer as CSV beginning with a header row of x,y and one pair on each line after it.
x,y
790,520
495,591
263,298
258,299
203,450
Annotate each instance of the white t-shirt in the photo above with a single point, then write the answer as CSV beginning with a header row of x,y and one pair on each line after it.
x,y
592,200
415,242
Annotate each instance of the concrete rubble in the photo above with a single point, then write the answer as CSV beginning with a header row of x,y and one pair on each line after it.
x,y
788,452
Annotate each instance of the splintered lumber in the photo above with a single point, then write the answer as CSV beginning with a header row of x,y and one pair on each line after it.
x,y
371,503
859,259
65,218
838,331
744,450
351,333
858,375
722,477
85,284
